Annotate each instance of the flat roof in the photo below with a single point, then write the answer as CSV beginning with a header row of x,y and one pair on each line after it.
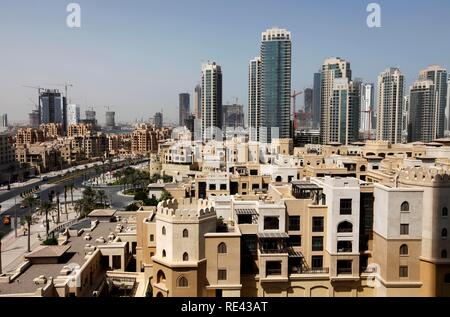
x,y
102,213
305,185
48,252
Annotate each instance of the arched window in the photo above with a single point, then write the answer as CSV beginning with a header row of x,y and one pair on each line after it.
x,y
185,257
163,253
160,277
363,168
185,233
444,254
163,230
278,179
345,227
183,282
404,249
444,212
222,248
444,233
405,206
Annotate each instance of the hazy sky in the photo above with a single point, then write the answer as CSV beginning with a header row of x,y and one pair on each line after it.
x,y
137,55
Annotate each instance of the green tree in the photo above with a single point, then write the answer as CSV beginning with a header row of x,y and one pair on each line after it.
x,y
165,195
46,208
29,221
101,195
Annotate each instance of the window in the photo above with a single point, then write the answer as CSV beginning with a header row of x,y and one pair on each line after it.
x,y
278,179
185,257
344,267
152,254
403,271
317,262
345,227
294,223
222,275
447,278
346,207
295,241
222,248
444,233
273,268
244,185
404,229
317,224
344,247
185,233
223,186
163,253
404,250
152,237
404,207
317,243
160,277
444,212
271,223
183,282
212,186
163,230
444,254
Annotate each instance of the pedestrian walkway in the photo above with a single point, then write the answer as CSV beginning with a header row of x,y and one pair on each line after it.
x,y
13,249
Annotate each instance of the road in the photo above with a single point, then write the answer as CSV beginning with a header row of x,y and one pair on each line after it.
x,y
55,185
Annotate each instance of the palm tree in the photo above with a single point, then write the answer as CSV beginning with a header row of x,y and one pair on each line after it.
x,y
47,207
102,196
71,186
65,202
30,201
1,237
57,205
29,221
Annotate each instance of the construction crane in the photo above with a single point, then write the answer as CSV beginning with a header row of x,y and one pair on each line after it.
x,y
294,101
39,89
66,86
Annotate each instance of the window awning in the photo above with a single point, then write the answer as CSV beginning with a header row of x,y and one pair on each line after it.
x,y
273,235
246,211
295,254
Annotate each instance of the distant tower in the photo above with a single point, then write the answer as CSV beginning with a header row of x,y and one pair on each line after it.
x,y
254,98
34,118
73,114
52,106
4,120
390,105
198,102
158,120
316,100
110,119
422,112
211,100
184,108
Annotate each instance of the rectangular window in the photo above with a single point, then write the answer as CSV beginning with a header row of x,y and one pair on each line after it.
x,y
212,186
295,241
222,275
404,229
223,186
152,237
317,262
271,223
317,244
346,207
403,271
294,223
317,224
244,185
273,268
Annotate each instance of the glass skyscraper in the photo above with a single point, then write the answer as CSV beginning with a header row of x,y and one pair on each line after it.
x,y
275,84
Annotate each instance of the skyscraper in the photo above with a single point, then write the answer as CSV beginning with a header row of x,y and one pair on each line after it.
x,y
158,120
52,106
367,107
73,114
198,102
184,108
316,100
422,112
438,76
308,95
211,101
332,69
254,98
110,119
34,118
275,55
4,120
447,110
233,116
390,105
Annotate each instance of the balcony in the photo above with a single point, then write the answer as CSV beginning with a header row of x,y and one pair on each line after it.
x,y
344,271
